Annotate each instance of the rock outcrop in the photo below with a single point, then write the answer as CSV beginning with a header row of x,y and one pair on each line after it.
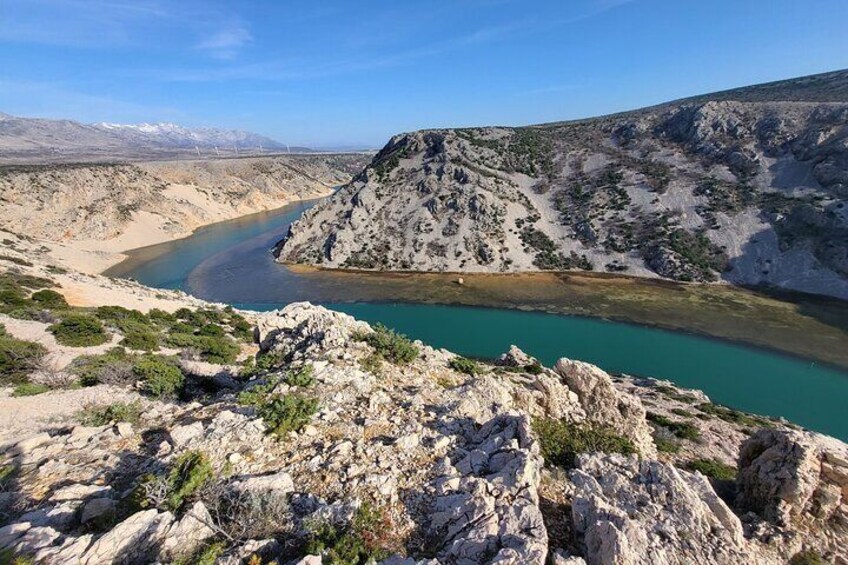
x,y
628,511
416,463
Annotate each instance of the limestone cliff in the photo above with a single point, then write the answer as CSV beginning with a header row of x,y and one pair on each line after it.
x,y
746,186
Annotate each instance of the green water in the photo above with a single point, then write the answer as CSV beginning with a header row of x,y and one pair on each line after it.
x,y
232,263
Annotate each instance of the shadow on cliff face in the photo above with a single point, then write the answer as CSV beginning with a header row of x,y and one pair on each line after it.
x,y
752,268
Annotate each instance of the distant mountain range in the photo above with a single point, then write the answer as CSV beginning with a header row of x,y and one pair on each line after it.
x,y
33,139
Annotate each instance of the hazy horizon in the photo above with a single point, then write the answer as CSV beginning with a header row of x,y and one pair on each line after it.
x,y
353,75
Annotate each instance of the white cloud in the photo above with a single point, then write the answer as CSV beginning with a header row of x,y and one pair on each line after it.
x,y
226,43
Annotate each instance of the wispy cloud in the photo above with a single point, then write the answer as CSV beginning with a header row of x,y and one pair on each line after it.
x,y
226,43
109,23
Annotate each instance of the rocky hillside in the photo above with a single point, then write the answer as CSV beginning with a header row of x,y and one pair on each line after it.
x,y
188,432
746,186
121,206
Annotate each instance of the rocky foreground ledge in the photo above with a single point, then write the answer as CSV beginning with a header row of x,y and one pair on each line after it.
x,y
342,443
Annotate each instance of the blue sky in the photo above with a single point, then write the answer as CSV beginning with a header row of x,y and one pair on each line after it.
x,y
344,72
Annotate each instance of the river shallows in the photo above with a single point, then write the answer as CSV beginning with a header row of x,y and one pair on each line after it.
x,y
231,262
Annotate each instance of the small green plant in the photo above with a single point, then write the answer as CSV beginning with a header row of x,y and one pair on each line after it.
x,y
463,365
79,330
390,345
713,469
159,375
9,557
49,299
302,377
666,444
258,395
141,340
808,557
113,367
7,475
101,415
683,430
373,363
211,330
734,416
18,358
206,555
30,389
367,539
190,472
287,413
534,368
562,441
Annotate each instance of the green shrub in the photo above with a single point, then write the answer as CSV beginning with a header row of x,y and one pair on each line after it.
x,y
11,300
160,376
561,441
392,346
79,330
101,415
181,328
141,340
190,472
367,539
7,475
808,557
534,368
683,430
9,557
463,365
288,413
666,444
116,315
113,367
302,377
211,330
259,394
221,350
734,416
713,469
373,363
242,329
206,555
30,389
18,358
160,317
49,299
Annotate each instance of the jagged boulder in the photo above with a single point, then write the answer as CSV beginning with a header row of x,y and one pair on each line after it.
x,y
631,511
799,481
605,405
487,508
540,391
301,328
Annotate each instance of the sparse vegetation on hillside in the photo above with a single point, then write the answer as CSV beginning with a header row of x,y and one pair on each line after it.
x,y
390,345
562,441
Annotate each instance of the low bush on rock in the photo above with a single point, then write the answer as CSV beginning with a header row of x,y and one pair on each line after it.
x,y
160,376
373,363
734,416
808,557
463,365
222,349
188,475
302,377
241,515
49,299
79,330
18,358
101,415
367,539
562,441
390,345
288,413
713,469
30,389
141,340
682,430
114,367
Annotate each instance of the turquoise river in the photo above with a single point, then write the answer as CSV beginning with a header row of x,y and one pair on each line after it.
x,y
231,262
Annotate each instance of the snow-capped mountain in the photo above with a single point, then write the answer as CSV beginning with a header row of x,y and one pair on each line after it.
x,y
28,139
174,135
